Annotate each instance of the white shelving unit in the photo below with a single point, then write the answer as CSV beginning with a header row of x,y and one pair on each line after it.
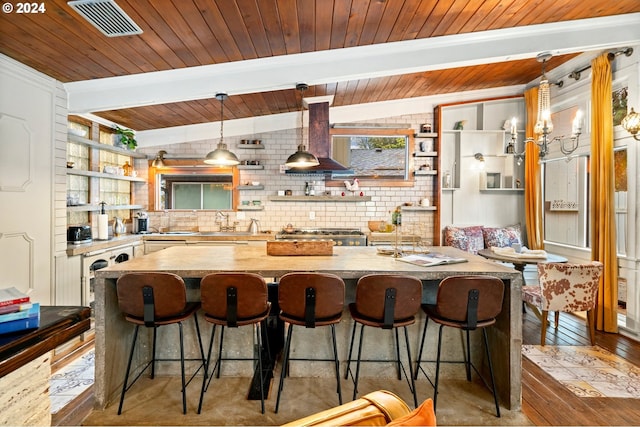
x,y
251,146
426,163
104,147
250,167
320,198
497,184
97,180
81,172
250,187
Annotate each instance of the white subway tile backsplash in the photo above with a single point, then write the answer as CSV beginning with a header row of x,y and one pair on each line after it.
x,y
278,146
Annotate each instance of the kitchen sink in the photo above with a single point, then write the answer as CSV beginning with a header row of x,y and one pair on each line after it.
x,y
179,233
224,233
203,233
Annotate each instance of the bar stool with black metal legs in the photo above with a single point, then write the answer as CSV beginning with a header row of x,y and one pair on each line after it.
x,y
385,301
154,299
310,300
467,303
233,300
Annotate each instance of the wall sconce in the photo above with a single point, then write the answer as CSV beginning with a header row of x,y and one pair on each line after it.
x,y
480,158
631,123
158,162
511,145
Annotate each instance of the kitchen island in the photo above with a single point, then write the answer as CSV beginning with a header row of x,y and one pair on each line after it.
x,y
192,263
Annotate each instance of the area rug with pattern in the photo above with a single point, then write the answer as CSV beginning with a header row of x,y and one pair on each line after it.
x,y
588,371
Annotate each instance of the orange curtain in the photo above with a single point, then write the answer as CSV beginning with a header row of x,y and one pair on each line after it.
x,y
603,226
532,181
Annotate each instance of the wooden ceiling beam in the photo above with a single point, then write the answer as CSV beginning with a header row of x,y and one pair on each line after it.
x,y
342,65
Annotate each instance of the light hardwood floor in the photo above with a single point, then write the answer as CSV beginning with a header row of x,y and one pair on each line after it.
x,y
544,400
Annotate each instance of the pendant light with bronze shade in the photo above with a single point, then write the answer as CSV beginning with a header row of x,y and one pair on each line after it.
x,y
221,156
302,158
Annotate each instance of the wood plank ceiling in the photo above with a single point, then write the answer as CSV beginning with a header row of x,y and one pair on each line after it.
x,y
188,33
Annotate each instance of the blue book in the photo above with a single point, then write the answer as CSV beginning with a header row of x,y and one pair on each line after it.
x,y
22,314
30,322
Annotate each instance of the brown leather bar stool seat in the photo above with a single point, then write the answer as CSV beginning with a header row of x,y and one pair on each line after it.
x,y
154,299
385,301
467,303
232,300
310,300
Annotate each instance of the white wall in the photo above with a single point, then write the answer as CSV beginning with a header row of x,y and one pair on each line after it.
x,y
30,108
626,73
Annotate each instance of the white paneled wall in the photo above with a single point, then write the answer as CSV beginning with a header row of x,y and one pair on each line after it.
x,y
32,113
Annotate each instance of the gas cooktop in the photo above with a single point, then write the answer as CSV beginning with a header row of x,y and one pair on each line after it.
x,y
323,232
341,236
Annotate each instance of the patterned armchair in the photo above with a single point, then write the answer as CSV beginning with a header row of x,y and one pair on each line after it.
x,y
564,287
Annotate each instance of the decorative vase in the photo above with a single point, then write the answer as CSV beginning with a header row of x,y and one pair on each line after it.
x,y
117,141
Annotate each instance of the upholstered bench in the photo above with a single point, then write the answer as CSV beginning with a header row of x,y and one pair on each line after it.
x,y
476,237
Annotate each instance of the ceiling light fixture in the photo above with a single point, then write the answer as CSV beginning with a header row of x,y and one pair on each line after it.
x,y
158,162
544,125
221,156
302,158
631,123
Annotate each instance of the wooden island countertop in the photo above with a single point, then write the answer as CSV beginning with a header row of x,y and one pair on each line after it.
x,y
346,262
350,263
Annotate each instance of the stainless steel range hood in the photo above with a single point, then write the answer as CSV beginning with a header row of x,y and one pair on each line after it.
x,y
327,166
320,144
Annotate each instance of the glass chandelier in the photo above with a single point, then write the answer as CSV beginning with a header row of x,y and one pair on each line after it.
x,y
544,125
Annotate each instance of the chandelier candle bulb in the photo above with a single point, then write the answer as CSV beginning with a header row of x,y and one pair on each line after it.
x,y
514,121
577,123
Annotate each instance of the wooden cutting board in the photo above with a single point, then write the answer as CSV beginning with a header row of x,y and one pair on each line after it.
x,y
299,247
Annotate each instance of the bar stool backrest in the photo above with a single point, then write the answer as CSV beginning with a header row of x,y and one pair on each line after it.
x,y
216,289
454,297
328,290
372,295
169,293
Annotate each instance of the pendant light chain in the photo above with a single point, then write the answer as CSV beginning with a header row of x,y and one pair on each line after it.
x,y
222,119
302,115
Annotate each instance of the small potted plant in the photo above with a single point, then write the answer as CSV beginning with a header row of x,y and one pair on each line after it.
x,y
126,137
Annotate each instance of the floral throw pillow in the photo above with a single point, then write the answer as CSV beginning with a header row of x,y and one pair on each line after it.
x,y
468,239
502,237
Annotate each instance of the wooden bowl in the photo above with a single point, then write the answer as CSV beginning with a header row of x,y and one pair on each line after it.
x,y
375,225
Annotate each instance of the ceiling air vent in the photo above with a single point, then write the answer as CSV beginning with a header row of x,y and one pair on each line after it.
x,y
106,16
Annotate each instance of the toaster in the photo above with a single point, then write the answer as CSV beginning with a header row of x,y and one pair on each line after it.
x,y
79,234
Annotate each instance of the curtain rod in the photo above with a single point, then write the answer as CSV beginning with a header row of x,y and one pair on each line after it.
x,y
611,56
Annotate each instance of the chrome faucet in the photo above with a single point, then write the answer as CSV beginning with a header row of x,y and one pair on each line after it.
x,y
220,217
